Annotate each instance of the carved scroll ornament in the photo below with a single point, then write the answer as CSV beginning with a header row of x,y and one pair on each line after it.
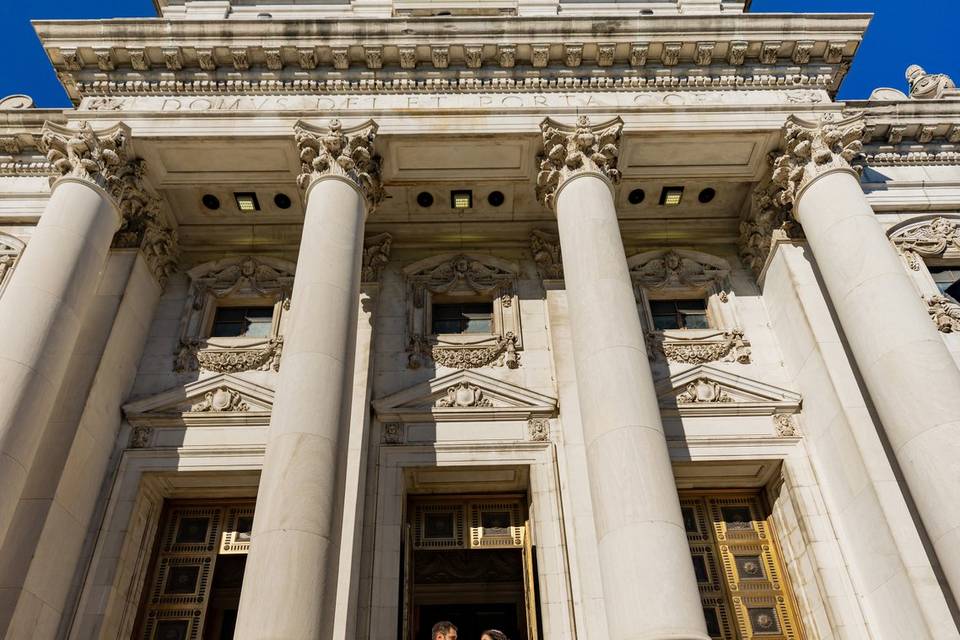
x,y
347,153
931,239
811,149
670,268
247,275
545,248
502,353
568,151
196,354
767,222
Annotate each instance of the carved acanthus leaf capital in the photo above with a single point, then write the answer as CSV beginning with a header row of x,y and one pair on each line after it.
x,y
572,150
811,149
344,153
99,157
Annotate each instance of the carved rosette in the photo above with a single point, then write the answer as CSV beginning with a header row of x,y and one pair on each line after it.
x,y
929,240
570,151
811,149
945,313
345,153
195,354
220,400
545,248
376,254
767,222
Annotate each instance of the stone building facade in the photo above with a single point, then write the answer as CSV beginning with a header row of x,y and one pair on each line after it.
x,y
583,320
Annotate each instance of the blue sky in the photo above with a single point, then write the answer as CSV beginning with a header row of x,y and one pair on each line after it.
x,y
902,33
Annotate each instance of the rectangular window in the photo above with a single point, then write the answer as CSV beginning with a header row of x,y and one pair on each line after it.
x,y
462,317
247,322
948,280
679,314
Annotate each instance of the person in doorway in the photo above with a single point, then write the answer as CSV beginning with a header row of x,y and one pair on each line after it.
x,y
444,631
493,634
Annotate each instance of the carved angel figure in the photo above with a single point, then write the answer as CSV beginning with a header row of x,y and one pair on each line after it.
x,y
927,86
672,269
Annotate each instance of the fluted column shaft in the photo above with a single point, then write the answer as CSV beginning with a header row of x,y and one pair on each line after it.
x,y
290,579
910,375
649,587
44,303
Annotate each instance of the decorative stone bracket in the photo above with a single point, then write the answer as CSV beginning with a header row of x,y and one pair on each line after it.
x,y
502,353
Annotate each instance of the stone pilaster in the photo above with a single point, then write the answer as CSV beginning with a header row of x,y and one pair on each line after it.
x,y
906,367
636,510
291,577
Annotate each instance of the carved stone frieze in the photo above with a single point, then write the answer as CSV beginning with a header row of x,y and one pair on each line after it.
x,y
811,149
196,354
766,222
945,313
223,399
545,248
703,390
571,150
538,429
463,394
376,254
347,153
503,352
670,268
931,239
928,86
249,276
726,346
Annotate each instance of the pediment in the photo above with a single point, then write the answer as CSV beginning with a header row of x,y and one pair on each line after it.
x,y
463,396
220,399
707,390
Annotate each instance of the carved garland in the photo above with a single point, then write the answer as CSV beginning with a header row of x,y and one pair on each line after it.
x,y
195,354
728,346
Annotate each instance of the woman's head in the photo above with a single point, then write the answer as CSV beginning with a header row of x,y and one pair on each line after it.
x,y
493,634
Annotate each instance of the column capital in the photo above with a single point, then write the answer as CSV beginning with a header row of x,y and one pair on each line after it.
x,y
143,226
346,154
814,148
569,151
767,222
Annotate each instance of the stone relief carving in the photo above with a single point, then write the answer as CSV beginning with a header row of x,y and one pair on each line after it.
x,y
248,275
767,222
538,429
393,433
945,313
197,354
140,437
928,86
545,248
568,151
726,346
931,239
502,353
459,272
376,254
347,153
703,390
223,399
463,394
785,425
670,268
813,148
10,250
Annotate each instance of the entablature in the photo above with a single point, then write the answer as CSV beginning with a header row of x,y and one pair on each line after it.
x,y
463,54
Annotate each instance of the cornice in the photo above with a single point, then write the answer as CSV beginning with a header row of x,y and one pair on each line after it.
x,y
467,54
910,133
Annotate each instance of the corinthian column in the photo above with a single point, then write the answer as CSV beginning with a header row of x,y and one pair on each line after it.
x,y
911,377
649,588
291,577
52,287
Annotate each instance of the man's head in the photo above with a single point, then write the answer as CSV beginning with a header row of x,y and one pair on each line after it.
x,y
443,631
